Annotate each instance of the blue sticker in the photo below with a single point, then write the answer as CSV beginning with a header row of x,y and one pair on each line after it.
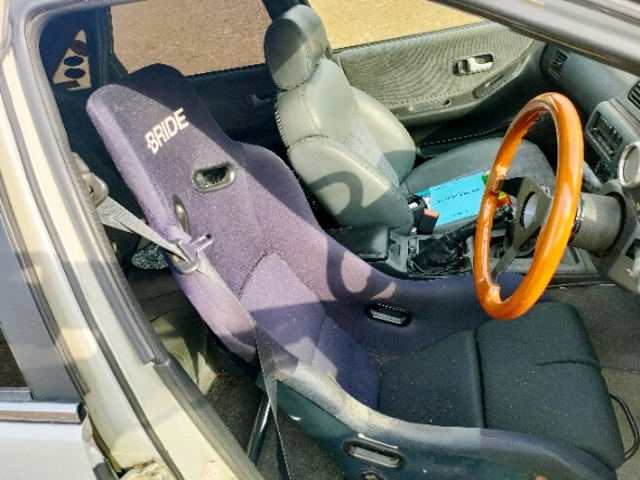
x,y
457,199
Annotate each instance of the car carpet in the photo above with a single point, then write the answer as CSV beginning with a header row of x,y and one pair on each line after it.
x,y
626,385
612,318
236,399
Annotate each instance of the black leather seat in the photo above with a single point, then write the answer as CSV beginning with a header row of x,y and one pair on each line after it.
x,y
353,153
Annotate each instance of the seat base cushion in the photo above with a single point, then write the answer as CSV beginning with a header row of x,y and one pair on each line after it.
x,y
477,157
440,385
541,376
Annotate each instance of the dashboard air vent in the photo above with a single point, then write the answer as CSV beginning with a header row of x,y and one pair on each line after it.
x,y
634,95
555,69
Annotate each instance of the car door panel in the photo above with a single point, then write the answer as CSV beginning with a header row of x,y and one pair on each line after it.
x,y
435,78
241,101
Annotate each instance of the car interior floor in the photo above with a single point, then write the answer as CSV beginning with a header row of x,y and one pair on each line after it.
x,y
233,394
236,399
611,316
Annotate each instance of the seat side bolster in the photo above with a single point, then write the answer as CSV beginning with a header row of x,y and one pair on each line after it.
x,y
350,188
326,412
390,135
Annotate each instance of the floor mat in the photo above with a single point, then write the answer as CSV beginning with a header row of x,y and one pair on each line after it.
x,y
236,400
626,385
612,318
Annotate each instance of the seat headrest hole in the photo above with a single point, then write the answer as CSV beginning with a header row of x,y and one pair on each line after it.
x,y
208,179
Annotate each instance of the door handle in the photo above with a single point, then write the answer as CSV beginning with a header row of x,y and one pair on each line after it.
x,y
475,64
258,99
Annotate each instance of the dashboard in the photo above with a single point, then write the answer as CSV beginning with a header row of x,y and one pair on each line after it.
x,y
609,101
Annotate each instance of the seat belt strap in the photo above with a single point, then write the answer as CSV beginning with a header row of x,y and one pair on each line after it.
x,y
268,367
114,215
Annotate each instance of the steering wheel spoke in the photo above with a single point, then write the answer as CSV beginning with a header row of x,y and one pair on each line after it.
x,y
505,260
532,208
536,213
530,212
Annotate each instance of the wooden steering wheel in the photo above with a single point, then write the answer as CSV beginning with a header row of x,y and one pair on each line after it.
x,y
537,211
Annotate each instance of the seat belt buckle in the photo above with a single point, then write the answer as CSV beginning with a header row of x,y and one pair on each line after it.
x,y
189,261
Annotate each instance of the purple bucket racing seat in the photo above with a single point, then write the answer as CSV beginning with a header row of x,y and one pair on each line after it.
x,y
397,377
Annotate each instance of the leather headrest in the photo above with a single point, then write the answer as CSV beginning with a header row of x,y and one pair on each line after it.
x,y
294,44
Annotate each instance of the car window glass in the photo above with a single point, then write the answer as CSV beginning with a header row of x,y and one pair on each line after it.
x,y
366,21
191,35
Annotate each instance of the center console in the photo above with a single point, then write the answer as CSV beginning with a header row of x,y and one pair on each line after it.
x,y
613,131
394,254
